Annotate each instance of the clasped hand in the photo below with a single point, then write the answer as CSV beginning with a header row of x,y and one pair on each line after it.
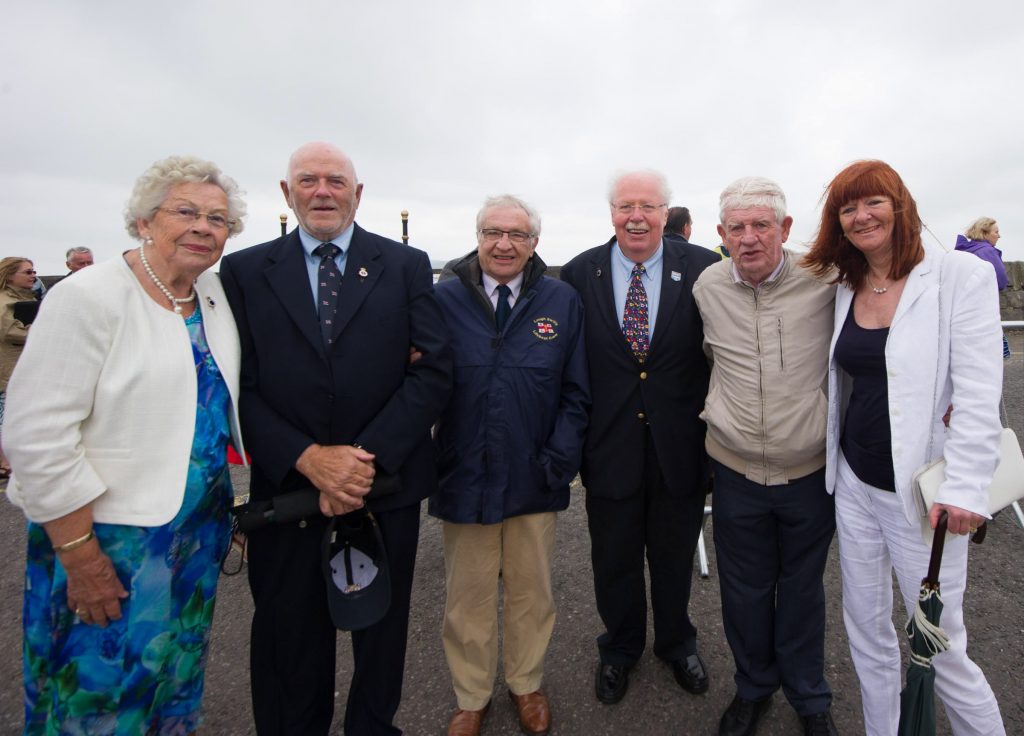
x,y
342,473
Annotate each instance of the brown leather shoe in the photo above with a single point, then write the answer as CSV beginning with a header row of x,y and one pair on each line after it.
x,y
467,722
534,713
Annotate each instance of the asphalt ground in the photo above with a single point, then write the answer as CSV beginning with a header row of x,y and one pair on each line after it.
x,y
654,705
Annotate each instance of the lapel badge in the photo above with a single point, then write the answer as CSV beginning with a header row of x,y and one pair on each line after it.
x,y
675,275
363,273
211,302
598,273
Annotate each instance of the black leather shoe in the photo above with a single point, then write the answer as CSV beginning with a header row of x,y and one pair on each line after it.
x,y
612,682
741,717
691,674
819,724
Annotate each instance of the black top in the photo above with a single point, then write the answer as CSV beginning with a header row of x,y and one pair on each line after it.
x,y
866,439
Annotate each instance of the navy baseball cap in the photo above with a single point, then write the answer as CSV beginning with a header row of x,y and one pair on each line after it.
x,y
355,568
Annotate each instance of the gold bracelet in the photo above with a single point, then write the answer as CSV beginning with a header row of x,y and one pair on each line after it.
x,y
74,543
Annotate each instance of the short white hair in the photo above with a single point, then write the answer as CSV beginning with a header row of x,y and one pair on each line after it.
x,y
656,176
509,200
752,191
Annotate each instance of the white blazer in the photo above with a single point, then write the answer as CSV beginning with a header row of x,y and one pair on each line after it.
x,y
101,408
952,338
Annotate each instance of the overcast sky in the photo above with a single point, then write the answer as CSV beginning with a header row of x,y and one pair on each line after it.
x,y
440,104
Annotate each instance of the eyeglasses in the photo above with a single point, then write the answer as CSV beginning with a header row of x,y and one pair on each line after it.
x,y
190,214
493,235
627,209
28,273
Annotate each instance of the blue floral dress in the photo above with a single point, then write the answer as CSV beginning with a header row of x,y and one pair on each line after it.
x,y
142,674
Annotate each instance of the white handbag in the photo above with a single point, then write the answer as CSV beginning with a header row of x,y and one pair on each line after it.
x,y
1007,483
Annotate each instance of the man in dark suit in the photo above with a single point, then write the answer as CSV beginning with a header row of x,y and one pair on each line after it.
x,y
644,465
326,317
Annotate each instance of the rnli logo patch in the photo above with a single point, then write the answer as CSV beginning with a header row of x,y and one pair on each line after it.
x,y
545,328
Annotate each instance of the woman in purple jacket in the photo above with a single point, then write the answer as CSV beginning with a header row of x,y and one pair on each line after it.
x,y
980,239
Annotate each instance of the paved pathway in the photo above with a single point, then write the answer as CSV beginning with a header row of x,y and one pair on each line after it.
x,y
654,705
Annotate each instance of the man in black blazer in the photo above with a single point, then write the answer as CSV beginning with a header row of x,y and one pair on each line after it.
x,y
332,400
644,464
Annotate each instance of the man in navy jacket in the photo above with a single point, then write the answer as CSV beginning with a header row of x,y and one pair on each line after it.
x,y
509,445
331,401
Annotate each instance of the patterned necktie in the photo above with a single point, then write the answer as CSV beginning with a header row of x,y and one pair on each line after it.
x,y
328,285
502,310
634,317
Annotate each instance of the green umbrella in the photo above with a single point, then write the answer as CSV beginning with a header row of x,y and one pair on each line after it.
x,y
917,701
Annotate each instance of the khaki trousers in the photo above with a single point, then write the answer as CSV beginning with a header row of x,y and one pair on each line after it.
x,y
520,549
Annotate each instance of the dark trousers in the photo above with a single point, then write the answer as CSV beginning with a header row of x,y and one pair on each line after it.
x,y
293,638
771,545
665,523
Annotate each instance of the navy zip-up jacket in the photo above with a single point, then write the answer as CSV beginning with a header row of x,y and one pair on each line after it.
x,y
510,440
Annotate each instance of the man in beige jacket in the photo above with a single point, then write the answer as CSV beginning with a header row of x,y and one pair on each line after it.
x,y
767,325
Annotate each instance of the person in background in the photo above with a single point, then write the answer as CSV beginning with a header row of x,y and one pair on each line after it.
x,y
767,323
78,258
17,276
120,466
914,332
644,465
326,316
980,239
678,225
509,444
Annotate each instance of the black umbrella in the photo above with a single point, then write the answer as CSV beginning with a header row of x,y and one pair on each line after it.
x,y
917,701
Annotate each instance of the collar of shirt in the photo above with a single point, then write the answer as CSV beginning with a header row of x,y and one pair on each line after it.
x,y
623,267
774,275
491,288
343,241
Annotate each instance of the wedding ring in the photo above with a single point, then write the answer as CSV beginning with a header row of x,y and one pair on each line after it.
x,y
79,612
974,529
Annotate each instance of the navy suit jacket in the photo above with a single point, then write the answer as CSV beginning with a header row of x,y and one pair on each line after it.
x,y
665,395
294,392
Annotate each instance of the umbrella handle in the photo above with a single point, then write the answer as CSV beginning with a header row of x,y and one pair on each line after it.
x,y
938,542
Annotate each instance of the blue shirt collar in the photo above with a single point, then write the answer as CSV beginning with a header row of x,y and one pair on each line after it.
x,y
343,241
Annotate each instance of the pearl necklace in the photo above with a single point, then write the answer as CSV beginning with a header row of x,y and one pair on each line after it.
x,y
175,301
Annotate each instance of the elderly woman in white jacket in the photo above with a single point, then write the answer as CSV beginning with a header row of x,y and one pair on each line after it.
x,y
915,330
119,414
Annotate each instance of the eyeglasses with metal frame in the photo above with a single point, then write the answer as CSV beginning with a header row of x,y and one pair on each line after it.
x,y
493,235
191,214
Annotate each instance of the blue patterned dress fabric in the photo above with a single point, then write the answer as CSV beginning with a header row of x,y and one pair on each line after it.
x,y
635,325
144,673
328,286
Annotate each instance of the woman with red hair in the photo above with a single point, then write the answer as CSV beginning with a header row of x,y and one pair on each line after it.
x,y
914,329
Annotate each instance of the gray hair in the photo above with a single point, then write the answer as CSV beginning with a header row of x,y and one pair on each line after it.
x,y
656,176
752,191
76,249
981,227
156,182
509,200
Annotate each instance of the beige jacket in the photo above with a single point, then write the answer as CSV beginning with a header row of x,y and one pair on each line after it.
x,y
767,404
12,332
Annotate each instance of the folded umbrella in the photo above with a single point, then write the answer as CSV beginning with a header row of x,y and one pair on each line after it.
x,y
926,638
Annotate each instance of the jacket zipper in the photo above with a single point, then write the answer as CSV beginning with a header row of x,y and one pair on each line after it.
x,y
782,359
